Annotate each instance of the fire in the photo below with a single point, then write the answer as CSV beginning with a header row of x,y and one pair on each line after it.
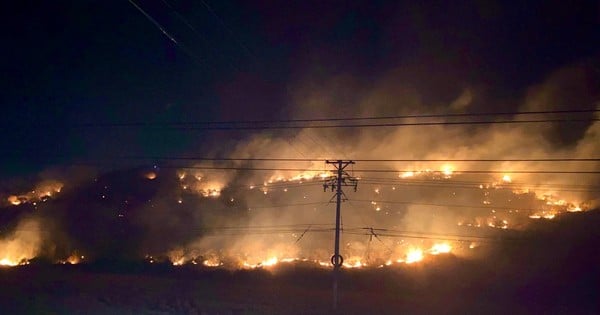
x,y
270,262
354,262
177,257
22,245
407,174
441,248
8,262
265,263
574,209
506,178
150,175
207,185
14,200
543,214
414,255
74,259
42,192
212,262
211,192
297,177
447,170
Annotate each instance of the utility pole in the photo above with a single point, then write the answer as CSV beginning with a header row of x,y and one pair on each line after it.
x,y
336,183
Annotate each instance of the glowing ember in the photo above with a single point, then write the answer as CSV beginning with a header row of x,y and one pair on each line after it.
x,y
150,175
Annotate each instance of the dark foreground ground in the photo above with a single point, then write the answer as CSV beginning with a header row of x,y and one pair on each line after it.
x,y
556,271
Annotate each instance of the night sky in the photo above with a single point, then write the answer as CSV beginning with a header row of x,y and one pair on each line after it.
x,y
91,62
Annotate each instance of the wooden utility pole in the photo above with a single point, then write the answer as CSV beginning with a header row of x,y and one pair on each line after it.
x,y
336,183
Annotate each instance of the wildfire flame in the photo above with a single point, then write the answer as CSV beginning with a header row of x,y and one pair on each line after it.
x,y
414,255
441,248
42,192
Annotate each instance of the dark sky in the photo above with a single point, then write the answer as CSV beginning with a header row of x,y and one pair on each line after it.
x,y
66,63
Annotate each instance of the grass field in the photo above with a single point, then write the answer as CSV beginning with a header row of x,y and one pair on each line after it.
x,y
554,272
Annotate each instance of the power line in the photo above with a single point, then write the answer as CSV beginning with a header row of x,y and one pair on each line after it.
x,y
290,205
454,181
202,38
381,170
314,120
158,25
163,30
449,184
488,207
327,171
272,124
208,127
458,238
266,159
575,111
240,43
262,227
466,182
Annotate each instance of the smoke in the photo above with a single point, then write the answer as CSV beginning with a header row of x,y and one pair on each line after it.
x,y
21,244
439,200
236,217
